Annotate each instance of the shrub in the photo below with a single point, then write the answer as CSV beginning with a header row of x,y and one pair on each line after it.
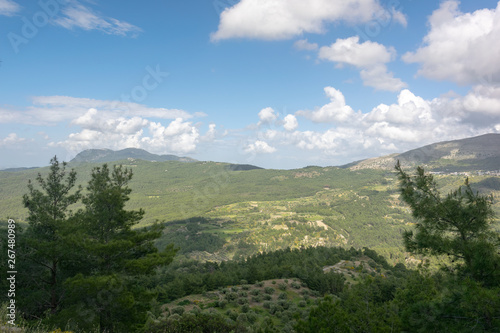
x,y
269,290
255,292
242,301
178,310
232,297
282,286
242,318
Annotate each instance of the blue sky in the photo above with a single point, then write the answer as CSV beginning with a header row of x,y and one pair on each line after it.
x,y
276,83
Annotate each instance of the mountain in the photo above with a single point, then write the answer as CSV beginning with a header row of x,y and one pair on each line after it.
x,y
471,154
218,211
108,155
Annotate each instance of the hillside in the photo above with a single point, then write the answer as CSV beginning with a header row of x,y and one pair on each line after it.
x,y
108,155
219,211
471,154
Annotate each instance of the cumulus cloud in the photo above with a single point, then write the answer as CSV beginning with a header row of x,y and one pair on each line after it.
x,y
101,129
9,7
285,19
351,51
177,137
409,122
259,147
336,111
267,116
369,57
460,47
11,140
290,122
76,15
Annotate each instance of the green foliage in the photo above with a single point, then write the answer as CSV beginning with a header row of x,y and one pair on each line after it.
x,y
44,244
195,323
457,225
89,264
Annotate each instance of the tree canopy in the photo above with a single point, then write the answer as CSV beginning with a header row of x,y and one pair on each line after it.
x,y
457,225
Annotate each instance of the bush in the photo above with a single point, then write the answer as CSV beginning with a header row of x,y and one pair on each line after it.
x,y
232,314
295,285
267,297
178,310
282,296
302,304
242,318
283,286
255,292
242,301
232,297
257,299
269,290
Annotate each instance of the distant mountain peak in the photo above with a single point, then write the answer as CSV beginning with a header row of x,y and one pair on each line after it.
x,y
475,153
108,155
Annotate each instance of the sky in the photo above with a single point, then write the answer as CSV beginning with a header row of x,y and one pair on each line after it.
x,y
276,83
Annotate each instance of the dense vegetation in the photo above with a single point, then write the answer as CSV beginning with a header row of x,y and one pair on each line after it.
x,y
282,263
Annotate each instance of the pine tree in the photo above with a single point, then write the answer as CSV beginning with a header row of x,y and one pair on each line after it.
x,y
457,225
107,291
45,240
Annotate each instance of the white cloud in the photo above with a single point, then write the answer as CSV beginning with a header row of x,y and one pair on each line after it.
x,y
336,111
9,7
259,147
290,122
350,51
11,140
267,116
460,47
211,134
76,15
370,57
101,129
50,110
380,78
303,44
410,122
285,19
177,137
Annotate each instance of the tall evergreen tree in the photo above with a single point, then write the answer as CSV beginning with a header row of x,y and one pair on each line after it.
x,y
457,225
45,241
107,291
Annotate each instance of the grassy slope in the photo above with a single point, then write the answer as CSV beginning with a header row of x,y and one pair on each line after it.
x,y
258,210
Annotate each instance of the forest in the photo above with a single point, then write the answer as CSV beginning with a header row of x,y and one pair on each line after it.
x,y
85,263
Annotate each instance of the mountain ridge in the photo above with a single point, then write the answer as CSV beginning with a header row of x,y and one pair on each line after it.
x,y
108,155
474,153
